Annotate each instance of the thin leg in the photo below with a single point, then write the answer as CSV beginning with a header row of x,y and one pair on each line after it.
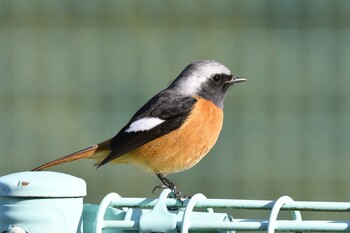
x,y
168,184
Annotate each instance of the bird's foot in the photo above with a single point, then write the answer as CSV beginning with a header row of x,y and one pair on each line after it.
x,y
170,185
161,186
177,193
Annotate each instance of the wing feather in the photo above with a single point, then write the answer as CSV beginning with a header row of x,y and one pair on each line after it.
x,y
173,110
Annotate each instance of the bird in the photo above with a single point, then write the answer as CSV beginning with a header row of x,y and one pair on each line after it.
x,y
171,132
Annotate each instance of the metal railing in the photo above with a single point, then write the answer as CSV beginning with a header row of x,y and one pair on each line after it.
x,y
32,202
170,215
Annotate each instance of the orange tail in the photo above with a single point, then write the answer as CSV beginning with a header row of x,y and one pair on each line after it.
x,y
84,153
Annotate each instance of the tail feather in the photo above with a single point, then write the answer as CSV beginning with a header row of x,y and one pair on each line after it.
x,y
84,153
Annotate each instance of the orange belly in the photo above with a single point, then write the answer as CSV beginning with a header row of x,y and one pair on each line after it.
x,y
185,147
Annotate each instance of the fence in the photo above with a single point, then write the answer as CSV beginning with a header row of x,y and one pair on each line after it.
x,y
53,202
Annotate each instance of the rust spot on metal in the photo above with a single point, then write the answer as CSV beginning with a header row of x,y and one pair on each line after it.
x,y
24,183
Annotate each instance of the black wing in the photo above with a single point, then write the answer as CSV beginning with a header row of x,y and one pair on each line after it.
x,y
173,109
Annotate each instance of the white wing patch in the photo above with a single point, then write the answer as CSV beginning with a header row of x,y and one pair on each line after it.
x,y
144,124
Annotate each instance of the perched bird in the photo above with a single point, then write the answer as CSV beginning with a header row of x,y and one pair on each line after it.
x,y
174,130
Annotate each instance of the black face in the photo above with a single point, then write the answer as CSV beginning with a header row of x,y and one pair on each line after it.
x,y
216,87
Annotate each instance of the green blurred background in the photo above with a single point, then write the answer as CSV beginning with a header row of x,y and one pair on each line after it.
x,y
72,73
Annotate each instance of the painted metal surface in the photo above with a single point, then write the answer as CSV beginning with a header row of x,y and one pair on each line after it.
x,y
41,202
53,202
41,184
169,215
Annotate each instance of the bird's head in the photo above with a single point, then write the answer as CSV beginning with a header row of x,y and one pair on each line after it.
x,y
208,79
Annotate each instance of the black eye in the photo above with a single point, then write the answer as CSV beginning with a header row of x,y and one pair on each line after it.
x,y
217,78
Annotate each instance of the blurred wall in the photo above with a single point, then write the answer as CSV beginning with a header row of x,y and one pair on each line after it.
x,y
72,73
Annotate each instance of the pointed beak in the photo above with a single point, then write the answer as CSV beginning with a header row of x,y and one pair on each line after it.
x,y
238,79
229,83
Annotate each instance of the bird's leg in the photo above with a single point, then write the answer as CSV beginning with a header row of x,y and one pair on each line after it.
x,y
168,184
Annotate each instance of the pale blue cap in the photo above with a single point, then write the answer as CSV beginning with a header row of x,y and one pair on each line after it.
x,y
41,184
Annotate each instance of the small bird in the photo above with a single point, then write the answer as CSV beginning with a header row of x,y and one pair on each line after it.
x,y
174,130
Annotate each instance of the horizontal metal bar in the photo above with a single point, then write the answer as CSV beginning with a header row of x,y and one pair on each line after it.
x,y
236,204
197,223
249,225
143,202
282,225
120,224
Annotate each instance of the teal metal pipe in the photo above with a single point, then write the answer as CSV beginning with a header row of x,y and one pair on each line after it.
x,y
282,225
237,204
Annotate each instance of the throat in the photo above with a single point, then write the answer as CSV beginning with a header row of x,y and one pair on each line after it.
x,y
217,99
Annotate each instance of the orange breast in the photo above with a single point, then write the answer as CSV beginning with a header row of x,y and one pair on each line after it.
x,y
184,147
